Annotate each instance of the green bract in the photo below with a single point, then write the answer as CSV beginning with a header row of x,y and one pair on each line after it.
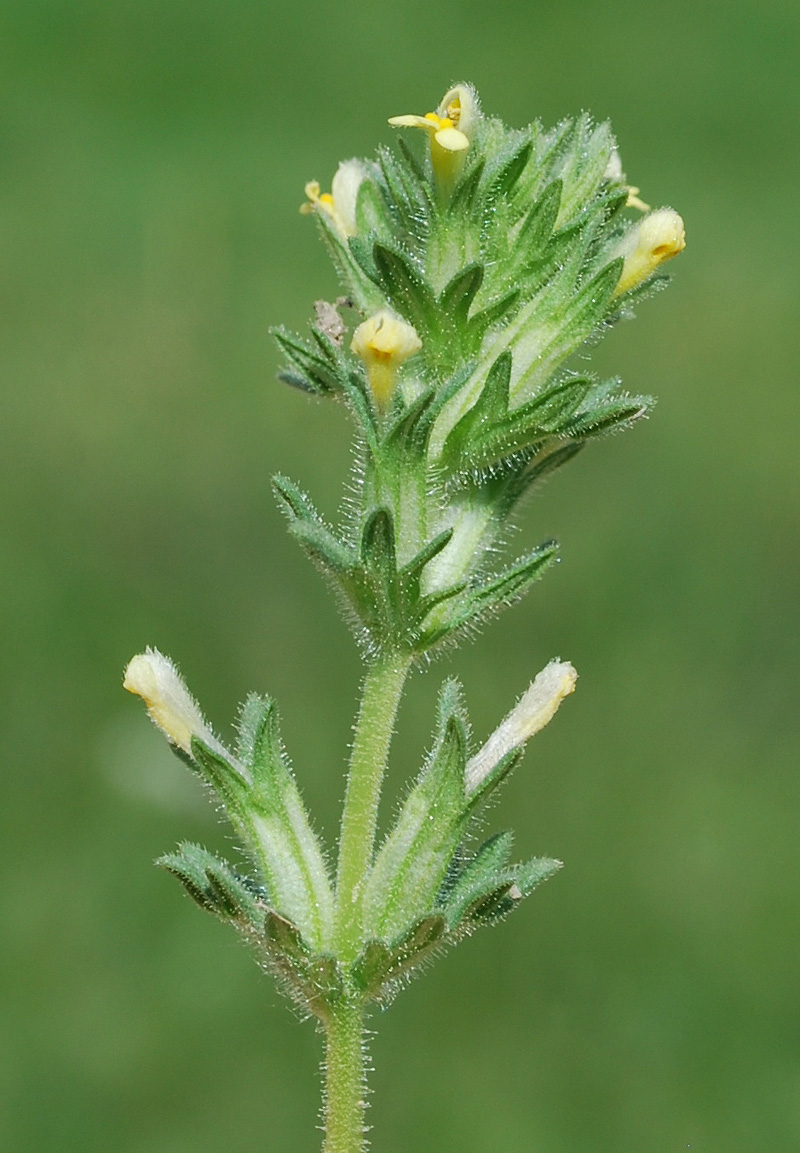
x,y
474,270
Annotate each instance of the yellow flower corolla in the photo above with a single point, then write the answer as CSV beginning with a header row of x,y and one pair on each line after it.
x,y
450,128
154,678
384,342
657,238
533,711
340,202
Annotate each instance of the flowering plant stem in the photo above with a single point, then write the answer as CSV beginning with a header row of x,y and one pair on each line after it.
x,y
345,1087
383,687
478,269
345,1080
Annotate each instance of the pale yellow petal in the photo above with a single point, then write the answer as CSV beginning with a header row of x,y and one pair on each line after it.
x,y
412,122
451,140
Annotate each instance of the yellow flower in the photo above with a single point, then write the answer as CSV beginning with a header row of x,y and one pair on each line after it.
x,y
450,128
657,238
154,678
340,202
533,711
384,342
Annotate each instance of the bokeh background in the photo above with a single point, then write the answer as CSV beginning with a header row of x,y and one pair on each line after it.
x,y
648,999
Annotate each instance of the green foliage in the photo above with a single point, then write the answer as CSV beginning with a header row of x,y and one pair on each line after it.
x,y
214,884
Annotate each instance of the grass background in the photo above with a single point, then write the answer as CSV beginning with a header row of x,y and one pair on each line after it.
x,y
152,158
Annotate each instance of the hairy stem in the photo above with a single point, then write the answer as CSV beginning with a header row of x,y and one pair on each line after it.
x,y
383,688
345,1088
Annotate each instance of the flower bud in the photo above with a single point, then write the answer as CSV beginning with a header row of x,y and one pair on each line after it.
x,y
657,238
384,342
531,713
155,679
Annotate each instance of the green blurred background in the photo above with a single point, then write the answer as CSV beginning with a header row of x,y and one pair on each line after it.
x,y
647,1001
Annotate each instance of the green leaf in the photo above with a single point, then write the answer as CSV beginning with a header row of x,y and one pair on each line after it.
x,y
606,417
405,287
566,326
214,884
413,570
463,197
408,435
488,409
408,196
490,596
314,980
294,380
490,316
360,401
307,526
514,581
371,968
593,298
548,413
494,897
482,869
411,161
380,966
352,277
372,212
278,824
285,938
535,871
550,409
378,595
500,182
584,170
413,860
378,553
538,225
456,298
418,606
542,464
314,369
223,776
496,777
361,251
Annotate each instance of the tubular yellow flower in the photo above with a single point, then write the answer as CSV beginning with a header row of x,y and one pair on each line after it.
x,y
533,711
384,342
657,238
340,202
450,128
154,678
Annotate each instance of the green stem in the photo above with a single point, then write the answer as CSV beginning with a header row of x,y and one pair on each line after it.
x,y
383,688
345,1088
